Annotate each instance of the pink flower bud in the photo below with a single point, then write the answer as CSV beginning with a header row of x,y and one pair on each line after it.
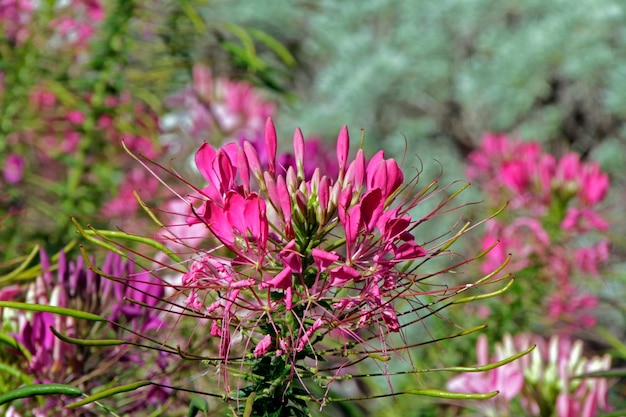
x,y
343,149
270,145
298,151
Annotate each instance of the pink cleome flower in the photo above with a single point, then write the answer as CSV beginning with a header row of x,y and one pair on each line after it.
x,y
555,214
303,261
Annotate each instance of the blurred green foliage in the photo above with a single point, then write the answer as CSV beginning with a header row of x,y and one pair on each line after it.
x,y
114,67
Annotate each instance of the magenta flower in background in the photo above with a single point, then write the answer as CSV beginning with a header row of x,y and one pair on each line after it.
x,y
129,301
554,215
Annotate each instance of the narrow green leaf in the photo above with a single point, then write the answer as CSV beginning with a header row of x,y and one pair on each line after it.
x,y
243,36
52,309
12,342
14,273
116,234
489,366
484,296
451,395
609,373
6,369
610,338
194,17
38,389
109,392
87,342
274,44
92,239
619,413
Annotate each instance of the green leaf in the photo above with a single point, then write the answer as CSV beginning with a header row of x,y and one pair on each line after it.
x,y
274,44
52,309
619,413
38,389
6,369
109,393
22,266
609,373
87,342
12,342
194,17
451,395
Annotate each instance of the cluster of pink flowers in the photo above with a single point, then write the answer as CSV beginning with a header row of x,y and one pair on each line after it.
x,y
554,212
77,25
128,302
65,133
14,18
221,107
74,27
547,382
305,262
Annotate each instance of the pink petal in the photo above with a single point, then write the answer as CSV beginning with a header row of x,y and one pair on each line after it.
x,y
270,145
343,148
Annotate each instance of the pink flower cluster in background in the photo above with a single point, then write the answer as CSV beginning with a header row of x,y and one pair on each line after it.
x,y
219,110
217,106
74,27
128,302
14,18
65,135
554,220
544,383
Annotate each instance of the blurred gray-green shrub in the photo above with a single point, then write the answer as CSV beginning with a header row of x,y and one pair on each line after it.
x,y
442,73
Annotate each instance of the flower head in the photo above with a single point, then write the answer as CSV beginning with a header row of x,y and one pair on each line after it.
x,y
307,265
555,203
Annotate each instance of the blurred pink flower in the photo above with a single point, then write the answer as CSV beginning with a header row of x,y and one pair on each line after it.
x,y
13,169
76,117
553,210
14,18
221,107
594,184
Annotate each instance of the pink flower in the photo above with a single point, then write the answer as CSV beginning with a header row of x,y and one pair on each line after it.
x,y
13,169
295,260
76,117
553,208
594,184
223,107
590,258
582,220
